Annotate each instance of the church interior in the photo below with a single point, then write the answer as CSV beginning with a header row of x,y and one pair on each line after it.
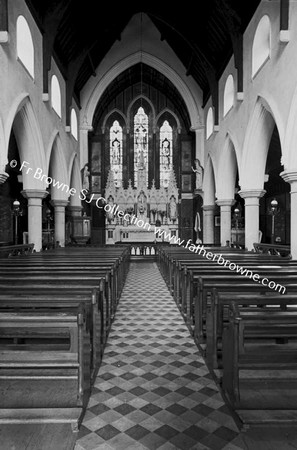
x,y
148,208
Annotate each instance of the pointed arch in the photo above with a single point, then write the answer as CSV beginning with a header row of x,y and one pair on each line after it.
x,y
135,100
261,44
125,63
166,153
256,144
113,111
209,182
228,169
29,139
75,180
24,44
57,168
209,122
116,152
229,95
167,110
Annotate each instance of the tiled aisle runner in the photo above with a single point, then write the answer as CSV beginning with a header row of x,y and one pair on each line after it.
x,y
153,390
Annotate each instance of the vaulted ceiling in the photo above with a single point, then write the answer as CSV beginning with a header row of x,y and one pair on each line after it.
x,y
80,34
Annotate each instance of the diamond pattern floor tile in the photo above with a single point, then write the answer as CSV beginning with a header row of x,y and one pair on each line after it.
x,y
153,390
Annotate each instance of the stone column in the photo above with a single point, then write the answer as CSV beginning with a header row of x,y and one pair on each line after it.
x,y
59,206
291,177
74,210
225,207
251,203
208,223
35,197
84,142
199,142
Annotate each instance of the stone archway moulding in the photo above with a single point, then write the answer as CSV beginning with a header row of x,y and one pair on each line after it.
x,y
256,144
88,111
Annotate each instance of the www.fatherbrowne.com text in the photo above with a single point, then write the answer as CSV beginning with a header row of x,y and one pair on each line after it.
x,y
101,203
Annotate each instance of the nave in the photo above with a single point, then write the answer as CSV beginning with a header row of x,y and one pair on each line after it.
x,y
153,389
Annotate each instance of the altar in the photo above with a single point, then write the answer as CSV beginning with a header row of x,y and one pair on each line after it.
x,y
136,234
141,210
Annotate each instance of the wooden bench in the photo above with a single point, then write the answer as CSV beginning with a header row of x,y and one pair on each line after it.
x,y
31,299
260,376
218,315
229,283
38,373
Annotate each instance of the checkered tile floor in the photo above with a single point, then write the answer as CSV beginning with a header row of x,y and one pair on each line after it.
x,y
153,390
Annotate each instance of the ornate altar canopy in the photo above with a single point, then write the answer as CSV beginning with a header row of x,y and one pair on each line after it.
x,y
145,208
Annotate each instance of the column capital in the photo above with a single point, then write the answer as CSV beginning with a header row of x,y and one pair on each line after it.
x,y
34,193
289,176
61,203
226,202
209,207
252,193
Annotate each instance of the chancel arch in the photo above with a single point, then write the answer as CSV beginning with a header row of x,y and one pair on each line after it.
x,y
154,149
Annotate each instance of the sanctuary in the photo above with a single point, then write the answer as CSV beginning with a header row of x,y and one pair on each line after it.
x,y
142,208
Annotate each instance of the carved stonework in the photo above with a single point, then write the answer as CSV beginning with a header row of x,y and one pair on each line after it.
x,y
150,205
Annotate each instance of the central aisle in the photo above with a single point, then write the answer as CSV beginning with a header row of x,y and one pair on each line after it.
x,y
153,390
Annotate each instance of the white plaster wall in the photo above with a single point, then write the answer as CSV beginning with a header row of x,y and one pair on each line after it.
x,y
275,83
18,87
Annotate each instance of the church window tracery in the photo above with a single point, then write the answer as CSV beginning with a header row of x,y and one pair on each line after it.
x,y
116,152
165,153
140,141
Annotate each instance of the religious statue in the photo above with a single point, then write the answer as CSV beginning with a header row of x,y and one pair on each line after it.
x,y
166,154
141,204
85,178
199,174
109,213
172,208
116,152
197,228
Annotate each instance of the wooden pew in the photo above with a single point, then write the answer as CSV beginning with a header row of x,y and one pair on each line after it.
x,y
41,377
37,299
218,315
57,281
260,375
230,283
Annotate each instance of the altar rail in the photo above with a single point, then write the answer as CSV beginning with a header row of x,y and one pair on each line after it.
x,y
16,250
143,249
273,249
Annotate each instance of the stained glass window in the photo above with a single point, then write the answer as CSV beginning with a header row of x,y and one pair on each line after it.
x,y
165,153
116,152
140,142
